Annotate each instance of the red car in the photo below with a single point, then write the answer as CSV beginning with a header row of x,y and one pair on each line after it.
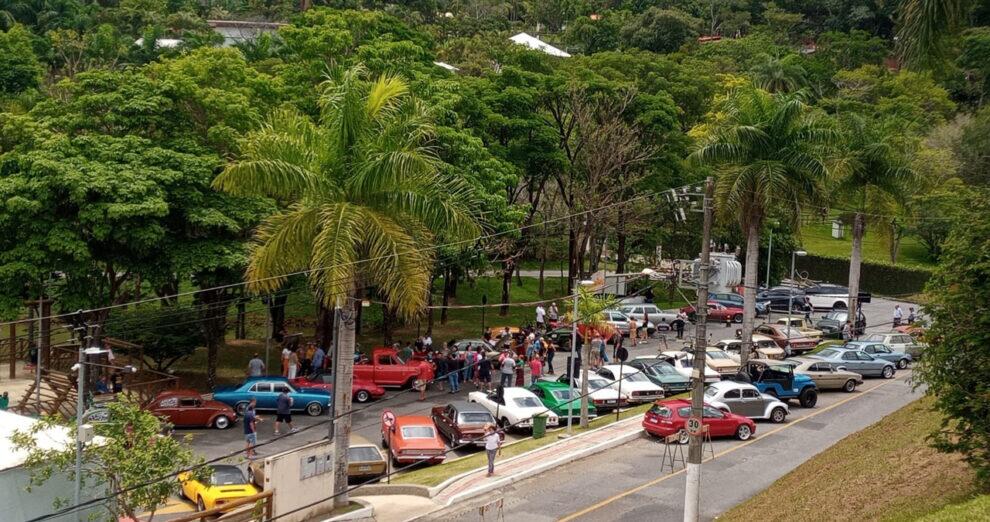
x,y
361,390
187,408
670,416
717,312
415,438
385,368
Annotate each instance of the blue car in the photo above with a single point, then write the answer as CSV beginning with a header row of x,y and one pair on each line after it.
x,y
736,301
777,378
881,351
266,390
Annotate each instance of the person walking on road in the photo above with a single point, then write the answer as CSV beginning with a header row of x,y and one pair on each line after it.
x,y
508,369
898,315
256,367
679,324
493,446
250,430
911,317
535,369
283,411
551,351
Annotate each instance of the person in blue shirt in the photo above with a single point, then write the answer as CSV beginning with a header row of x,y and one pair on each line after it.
x,y
251,429
318,358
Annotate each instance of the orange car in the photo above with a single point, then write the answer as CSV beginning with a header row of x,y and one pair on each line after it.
x,y
414,438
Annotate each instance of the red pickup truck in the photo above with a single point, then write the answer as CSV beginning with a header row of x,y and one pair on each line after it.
x,y
386,369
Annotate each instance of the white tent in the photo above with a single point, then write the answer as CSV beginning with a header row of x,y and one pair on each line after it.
x,y
535,43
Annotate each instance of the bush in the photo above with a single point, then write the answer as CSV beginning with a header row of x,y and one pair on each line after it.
x,y
877,278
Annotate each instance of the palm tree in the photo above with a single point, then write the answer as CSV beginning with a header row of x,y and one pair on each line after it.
x,y
363,197
769,152
925,26
778,74
590,314
873,167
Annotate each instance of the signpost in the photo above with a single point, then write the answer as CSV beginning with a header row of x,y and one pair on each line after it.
x,y
388,421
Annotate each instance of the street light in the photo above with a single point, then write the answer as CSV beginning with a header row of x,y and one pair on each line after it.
x,y
790,294
571,373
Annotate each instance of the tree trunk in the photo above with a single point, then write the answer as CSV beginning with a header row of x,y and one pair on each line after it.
x,y
896,233
855,261
388,324
519,274
429,308
324,325
448,275
277,311
749,289
585,361
620,248
213,305
543,266
455,277
344,370
239,330
572,268
506,284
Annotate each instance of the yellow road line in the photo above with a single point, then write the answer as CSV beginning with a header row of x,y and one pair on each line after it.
x,y
603,503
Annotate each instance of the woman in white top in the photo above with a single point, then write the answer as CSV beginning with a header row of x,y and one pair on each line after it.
x,y
492,445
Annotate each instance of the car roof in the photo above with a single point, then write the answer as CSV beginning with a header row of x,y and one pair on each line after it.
x,y
467,407
730,385
278,378
413,420
516,392
674,403
551,384
178,393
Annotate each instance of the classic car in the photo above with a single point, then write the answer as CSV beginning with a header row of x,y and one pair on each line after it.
x,y
787,337
831,324
365,462
881,351
266,390
513,407
777,378
462,422
600,391
188,409
670,416
560,399
857,361
718,360
227,483
414,438
803,325
683,363
385,368
825,376
782,297
361,390
765,347
746,400
660,319
736,301
620,322
634,383
663,374
899,342
472,345
716,312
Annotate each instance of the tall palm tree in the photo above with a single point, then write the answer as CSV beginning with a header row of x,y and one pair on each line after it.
x,y
769,151
589,314
779,74
924,28
363,197
873,166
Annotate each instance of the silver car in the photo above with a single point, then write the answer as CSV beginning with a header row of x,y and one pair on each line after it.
x,y
660,319
856,361
620,322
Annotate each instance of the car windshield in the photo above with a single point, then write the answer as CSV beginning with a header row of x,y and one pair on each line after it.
x,y
226,476
662,411
718,355
836,316
562,395
526,402
684,412
475,417
363,454
661,369
597,383
828,353
418,432
875,338
635,377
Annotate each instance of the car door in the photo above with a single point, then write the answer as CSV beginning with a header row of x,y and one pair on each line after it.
x,y
718,424
733,399
852,362
192,412
822,374
870,363
387,370
262,392
753,403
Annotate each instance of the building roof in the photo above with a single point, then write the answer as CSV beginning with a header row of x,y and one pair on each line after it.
x,y
535,43
10,422
445,65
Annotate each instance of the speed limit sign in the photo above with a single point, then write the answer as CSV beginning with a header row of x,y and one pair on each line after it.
x,y
694,425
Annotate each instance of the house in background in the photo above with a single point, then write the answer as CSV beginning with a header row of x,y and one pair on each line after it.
x,y
539,45
238,31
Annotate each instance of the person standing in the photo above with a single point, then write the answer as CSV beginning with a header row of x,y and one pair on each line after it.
x,y
319,357
679,324
443,367
602,352
520,372
493,445
293,364
535,369
307,362
485,373
541,314
553,313
911,317
551,351
285,359
256,367
283,411
508,369
596,351
4,401
898,315
846,331
616,343
633,327
250,429
454,373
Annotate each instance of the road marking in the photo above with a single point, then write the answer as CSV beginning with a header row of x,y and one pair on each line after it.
x,y
641,487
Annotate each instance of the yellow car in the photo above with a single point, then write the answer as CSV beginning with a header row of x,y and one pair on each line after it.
x,y
227,484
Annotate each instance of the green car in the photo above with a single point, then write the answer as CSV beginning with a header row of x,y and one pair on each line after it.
x,y
554,395
662,374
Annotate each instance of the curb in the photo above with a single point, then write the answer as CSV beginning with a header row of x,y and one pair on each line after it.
x,y
365,513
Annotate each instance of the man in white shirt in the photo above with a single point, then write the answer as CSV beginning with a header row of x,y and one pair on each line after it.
x,y
493,443
540,318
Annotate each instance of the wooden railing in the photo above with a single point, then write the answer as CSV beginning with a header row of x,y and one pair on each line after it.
x,y
254,508
57,395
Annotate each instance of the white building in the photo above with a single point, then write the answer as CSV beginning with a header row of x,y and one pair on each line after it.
x,y
539,45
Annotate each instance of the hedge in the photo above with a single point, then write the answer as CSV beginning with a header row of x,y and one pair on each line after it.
x,y
876,278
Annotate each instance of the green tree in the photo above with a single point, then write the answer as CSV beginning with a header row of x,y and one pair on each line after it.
x,y
597,35
167,334
954,366
20,69
769,151
660,30
364,199
974,58
925,28
774,74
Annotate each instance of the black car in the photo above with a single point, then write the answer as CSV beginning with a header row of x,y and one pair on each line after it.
x,y
781,297
831,324
736,301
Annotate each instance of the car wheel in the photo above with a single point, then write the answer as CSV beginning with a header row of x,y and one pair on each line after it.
x,y
743,432
849,386
504,424
241,407
200,506
314,409
221,422
808,398
683,437
778,415
901,364
251,475
738,318
362,396
888,372
839,305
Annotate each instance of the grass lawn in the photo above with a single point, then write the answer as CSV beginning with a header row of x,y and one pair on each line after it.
x,y
817,238
885,472
975,509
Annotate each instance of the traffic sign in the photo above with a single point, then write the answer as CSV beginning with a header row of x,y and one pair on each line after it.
x,y
694,425
388,418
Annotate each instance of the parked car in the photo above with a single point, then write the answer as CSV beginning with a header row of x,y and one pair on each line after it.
x,y
188,409
557,397
777,378
620,322
718,360
659,318
365,461
385,368
414,438
832,297
663,374
513,407
600,391
788,338
670,416
361,390
462,422
716,312
899,342
472,345
736,301
825,376
227,483
561,338
266,390
746,400
803,325
765,347
781,297
684,364
634,383
881,351
857,361
831,324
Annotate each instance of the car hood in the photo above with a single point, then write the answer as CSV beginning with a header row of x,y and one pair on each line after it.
x,y
418,444
672,379
604,394
722,363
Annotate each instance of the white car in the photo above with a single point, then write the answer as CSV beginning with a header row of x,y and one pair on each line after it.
x,y
684,364
766,348
744,399
657,317
634,382
515,408
599,391
898,342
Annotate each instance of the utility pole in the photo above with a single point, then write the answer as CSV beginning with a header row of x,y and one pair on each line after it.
x,y
692,491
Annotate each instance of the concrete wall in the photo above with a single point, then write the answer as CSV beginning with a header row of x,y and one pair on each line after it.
x,y
18,504
299,478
